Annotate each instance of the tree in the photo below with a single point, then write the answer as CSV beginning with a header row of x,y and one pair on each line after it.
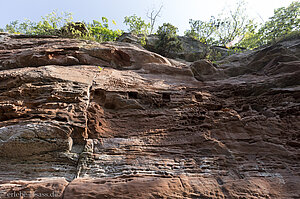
x,y
227,29
153,16
202,30
234,26
137,25
284,22
62,25
99,31
47,26
168,40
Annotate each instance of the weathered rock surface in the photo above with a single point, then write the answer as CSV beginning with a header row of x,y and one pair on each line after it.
x,y
192,49
144,126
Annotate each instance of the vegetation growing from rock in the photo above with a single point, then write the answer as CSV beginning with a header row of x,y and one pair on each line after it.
x,y
230,29
138,26
168,40
284,23
100,31
225,29
49,25
236,28
62,24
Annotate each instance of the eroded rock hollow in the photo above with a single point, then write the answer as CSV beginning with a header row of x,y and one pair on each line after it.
x,y
144,126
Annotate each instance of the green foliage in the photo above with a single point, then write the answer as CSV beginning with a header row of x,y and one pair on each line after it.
x,y
47,26
74,30
62,25
51,23
236,28
12,27
137,25
284,22
15,27
250,38
290,36
227,29
100,31
168,40
212,54
202,30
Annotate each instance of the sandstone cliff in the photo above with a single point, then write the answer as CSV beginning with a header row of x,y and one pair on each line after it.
x,y
192,49
146,126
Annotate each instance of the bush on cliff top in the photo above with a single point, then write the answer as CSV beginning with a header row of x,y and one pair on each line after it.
x,y
227,29
168,40
62,25
236,28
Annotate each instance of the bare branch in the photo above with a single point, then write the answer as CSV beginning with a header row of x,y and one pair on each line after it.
x,y
152,16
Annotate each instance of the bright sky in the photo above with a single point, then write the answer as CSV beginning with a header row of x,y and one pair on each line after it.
x,y
177,12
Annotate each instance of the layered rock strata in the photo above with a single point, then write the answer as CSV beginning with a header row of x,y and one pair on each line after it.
x,y
146,126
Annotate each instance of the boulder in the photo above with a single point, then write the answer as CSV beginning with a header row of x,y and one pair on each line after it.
x,y
129,38
205,70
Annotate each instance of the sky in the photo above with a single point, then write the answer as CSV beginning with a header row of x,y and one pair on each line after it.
x,y
176,12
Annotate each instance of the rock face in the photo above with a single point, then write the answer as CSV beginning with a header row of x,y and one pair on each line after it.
x,y
204,70
145,126
192,49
